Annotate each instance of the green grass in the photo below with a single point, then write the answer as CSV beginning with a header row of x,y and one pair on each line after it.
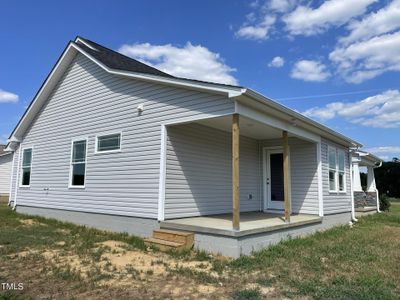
x,y
361,262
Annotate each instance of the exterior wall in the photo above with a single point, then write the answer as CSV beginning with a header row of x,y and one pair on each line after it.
x,y
199,172
89,101
235,247
5,173
303,174
135,226
336,202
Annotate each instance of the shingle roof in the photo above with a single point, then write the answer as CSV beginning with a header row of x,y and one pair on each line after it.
x,y
118,61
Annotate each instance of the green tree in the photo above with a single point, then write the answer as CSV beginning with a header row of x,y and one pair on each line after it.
x,y
388,178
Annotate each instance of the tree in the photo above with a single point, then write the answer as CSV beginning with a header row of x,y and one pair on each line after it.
x,y
388,179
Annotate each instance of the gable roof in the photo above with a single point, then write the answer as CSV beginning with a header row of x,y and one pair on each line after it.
x,y
117,61
118,64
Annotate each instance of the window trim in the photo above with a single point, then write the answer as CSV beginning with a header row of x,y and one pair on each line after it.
x,y
70,186
96,150
21,166
344,171
336,177
337,171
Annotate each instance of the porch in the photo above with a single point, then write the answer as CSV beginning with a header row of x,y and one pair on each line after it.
x,y
250,223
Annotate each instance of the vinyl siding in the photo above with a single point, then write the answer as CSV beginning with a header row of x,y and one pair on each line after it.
x,y
335,202
87,102
5,173
303,174
199,172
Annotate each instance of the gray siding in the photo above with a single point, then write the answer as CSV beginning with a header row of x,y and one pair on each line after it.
x,y
335,202
5,173
303,174
89,101
199,172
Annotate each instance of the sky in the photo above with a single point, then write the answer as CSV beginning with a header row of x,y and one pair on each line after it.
x,y
337,61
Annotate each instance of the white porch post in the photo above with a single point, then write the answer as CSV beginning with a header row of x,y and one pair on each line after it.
x,y
356,177
371,186
320,188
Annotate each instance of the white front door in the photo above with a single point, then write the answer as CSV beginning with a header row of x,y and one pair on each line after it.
x,y
273,179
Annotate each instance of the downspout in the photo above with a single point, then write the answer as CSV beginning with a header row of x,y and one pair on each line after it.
x,y
17,177
11,179
353,211
377,192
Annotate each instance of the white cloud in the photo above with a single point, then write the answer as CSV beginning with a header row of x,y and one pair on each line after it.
x,y
281,6
383,21
310,70
7,97
3,139
384,152
379,111
257,31
277,62
190,61
364,60
305,20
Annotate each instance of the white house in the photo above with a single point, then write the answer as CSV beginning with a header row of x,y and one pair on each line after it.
x,y
5,173
113,143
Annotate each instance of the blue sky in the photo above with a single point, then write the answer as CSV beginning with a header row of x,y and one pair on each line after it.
x,y
336,61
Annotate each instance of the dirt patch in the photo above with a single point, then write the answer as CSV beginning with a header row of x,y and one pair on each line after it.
x,y
30,222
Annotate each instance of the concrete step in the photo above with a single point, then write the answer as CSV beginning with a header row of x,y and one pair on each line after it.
x,y
183,237
164,245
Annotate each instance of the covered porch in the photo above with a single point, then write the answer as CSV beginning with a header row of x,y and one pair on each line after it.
x,y
244,173
366,200
250,223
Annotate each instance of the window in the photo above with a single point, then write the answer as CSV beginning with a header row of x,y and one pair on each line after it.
x,y
341,173
332,169
78,163
337,175
26,167
107,143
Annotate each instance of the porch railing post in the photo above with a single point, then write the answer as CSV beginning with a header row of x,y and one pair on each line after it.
x,y
286,175
235,173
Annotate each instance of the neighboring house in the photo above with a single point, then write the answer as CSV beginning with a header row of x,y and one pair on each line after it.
x,y
6,159
113,143
365,202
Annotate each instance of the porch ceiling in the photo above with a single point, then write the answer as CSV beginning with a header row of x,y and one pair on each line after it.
x,y
248,127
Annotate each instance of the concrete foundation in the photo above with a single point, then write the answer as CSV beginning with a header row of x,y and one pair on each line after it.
x,y
245,245
135,226
233,246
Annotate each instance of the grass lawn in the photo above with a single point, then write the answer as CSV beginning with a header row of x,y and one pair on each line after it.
x,y
57,260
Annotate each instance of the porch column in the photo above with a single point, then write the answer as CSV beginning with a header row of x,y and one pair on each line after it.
x,y
286,175
371,186
235,173
356,177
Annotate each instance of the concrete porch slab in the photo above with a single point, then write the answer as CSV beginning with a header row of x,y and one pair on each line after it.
x,y
250,223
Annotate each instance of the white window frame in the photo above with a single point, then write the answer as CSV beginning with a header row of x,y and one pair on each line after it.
x,y
333,149
344,171
71,165
96,149
22,166
337,171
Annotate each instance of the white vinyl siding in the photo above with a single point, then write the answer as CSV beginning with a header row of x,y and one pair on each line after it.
x,y
5,173
338,201
199,172
88,101
303,174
